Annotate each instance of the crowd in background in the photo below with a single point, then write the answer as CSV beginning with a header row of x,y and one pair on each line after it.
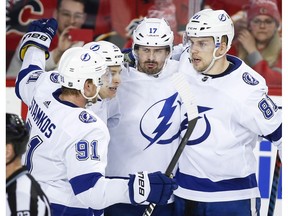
x,y
257,27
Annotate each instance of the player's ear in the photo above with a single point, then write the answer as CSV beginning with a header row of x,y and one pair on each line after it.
x,y
88,87
9,152
222,48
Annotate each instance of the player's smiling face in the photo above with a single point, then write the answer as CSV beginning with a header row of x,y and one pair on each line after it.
x,y
201,51
110,85
151,59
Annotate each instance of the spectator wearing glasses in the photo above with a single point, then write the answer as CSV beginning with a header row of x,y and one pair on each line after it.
x,y
260,45
69,14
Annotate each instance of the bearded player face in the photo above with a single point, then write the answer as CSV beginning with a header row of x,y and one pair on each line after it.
x,y
151,60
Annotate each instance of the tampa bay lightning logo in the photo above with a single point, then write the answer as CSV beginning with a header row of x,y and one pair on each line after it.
x,y
249,79
204,135
54,77
222,17
158,134
85,57
95,47
85,117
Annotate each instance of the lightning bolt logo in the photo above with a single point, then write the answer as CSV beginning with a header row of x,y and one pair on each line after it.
x,y
207,130
167,111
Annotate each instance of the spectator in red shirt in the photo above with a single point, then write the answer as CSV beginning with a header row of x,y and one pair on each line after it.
x,y
260,45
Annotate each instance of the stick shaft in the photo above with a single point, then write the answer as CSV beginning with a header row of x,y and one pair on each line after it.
x,y
274,188
191,125
185,92
176,156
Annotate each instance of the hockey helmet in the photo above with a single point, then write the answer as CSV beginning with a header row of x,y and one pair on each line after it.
x,y
211,23
109,51
78,64
16,133
153,32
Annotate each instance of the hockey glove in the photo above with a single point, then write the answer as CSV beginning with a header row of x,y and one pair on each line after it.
x,y
132,26
153,187
129,57
40,34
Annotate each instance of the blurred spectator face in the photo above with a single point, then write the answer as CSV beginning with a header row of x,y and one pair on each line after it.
x,y
162,3
263,20
263,28
70,13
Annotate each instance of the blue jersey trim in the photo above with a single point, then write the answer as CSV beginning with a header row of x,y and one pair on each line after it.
x,y
22,74
62,210
84,182
276,135
235,63
56,95
206,185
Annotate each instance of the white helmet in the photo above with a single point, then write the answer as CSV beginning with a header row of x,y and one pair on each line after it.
x,y
109,51
153,32
78,64
211,23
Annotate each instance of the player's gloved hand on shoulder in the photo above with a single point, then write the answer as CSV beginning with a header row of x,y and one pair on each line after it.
x,y
132,26
40,34
153,187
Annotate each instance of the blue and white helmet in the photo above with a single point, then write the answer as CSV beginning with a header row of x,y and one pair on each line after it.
x,y
109,51
211,23
78,64
153,32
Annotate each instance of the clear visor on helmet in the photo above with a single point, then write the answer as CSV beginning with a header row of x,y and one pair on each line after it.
x,y
106,78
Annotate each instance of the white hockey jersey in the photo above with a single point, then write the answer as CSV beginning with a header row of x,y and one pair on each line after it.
x,y
218,163
152,117
108,110
67,152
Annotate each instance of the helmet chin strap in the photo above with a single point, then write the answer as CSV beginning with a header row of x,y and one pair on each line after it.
x,y
90,99
213,60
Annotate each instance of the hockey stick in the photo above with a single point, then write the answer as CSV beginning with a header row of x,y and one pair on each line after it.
x,y
274,188
188,99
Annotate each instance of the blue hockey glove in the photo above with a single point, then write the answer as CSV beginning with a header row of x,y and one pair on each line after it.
x,y
40,34
132,26
153,187
129,57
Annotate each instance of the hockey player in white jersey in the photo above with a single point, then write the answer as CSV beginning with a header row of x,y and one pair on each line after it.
x,y
151,113
115,61
217,170
67,151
